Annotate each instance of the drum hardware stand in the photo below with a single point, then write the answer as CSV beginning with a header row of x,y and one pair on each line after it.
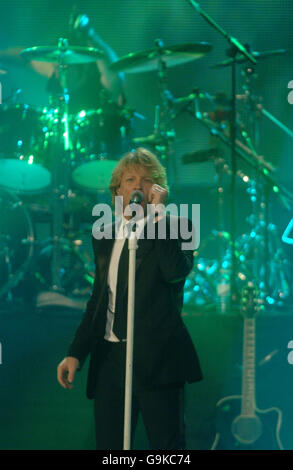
x,y
263,173
262,244
251,135
7,260
164,133
274,120
262,238
258,188
224,281
220,283
59,176
260,197
60,156
235,48
103,151
164,116
16,277
264,226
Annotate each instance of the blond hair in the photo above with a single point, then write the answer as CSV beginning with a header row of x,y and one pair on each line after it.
x,y
138,157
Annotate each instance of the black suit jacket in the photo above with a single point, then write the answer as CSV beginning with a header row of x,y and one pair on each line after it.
x,y
163,350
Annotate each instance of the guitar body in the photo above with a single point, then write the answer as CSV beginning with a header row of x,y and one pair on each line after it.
x,y
240,423
260,431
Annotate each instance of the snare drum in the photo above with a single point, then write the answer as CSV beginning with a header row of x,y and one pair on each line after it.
x,y
21,168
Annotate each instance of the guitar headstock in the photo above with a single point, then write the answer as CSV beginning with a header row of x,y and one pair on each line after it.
x,y
251,303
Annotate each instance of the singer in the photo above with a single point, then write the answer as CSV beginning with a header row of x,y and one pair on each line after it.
x,y
164,357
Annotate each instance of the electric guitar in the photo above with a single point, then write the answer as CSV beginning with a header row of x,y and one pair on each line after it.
x,y
240,423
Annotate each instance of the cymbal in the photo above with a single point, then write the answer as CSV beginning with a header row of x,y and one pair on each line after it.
x,y
146,61
258,55
69,56
149,139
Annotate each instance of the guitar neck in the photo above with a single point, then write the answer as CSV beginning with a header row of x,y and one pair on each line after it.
x,y
248,371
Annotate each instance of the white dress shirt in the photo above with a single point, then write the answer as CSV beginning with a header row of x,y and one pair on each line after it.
x,y
113,273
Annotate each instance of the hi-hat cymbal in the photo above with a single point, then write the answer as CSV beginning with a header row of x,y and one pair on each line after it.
x,y
257,55
148,60
69,56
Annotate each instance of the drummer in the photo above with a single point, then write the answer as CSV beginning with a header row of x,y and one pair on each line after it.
x,y
99,125
90,85
87,82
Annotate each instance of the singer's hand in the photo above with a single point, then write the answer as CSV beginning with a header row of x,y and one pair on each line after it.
x,y
66,371
157,195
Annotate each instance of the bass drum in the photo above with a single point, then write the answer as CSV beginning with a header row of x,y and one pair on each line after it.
x,y
16,241
99,138
21,168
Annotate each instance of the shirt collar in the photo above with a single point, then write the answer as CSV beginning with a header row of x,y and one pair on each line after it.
x,y
122,222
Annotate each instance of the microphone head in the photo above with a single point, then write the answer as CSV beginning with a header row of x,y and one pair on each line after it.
x,y
136,197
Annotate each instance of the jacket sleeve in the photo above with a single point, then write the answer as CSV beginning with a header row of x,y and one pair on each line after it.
x,y
174,259
81,344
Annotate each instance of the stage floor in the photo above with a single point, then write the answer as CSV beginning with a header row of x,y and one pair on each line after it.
x,y
36,413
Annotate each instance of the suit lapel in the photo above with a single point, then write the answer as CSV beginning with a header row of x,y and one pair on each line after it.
x,y
105,247
143,248
104,254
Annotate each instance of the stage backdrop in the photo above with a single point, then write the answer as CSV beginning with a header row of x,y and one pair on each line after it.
x,y
35,412
132,26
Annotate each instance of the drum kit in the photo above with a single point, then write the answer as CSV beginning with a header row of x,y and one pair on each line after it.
x,y
54,163
258,253
62,160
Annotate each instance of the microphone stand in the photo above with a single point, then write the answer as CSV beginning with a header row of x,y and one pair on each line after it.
x,y
132,247
236,47
60,170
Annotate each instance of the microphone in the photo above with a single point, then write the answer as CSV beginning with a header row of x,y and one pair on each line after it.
x,y
136,197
